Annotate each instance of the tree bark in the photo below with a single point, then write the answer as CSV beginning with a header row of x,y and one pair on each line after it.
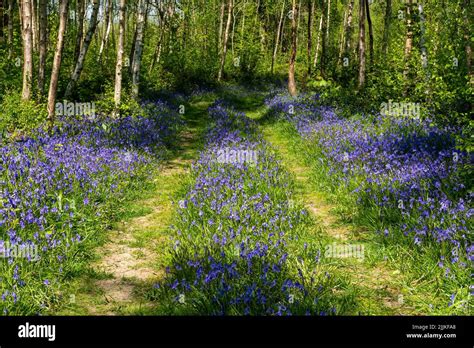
x,y
327,25
386,28
118,66
34,25
277,40
371,33
43,44
291,70
11,4
137,57
53,86
319,38
361,43
348,31
27,49
221,27
84,48
341,37
108,23
230,6
80,29
408,39
310,27
324,39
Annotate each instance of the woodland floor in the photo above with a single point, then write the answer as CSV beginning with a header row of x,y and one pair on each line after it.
x,y
127,265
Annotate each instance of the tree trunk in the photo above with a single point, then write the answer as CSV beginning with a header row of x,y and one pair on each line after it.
x,y
221,26
43,44
275,50
226,38
409,39
132,48
27,50
137,58
80,29
371,33
310,27
324,39
108,23
348,31
327,25
10,28
34,25
319,38
53,86
85,47
341,36
118,66
386,27
361,43
157,53
291,70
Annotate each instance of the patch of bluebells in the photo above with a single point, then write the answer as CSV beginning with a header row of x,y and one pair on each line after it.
x,y
405,169
55,189
235,250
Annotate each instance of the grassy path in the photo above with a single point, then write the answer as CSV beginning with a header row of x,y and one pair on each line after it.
x,y
378,287
127,265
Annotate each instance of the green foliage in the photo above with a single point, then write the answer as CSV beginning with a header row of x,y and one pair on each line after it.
x,y
128,105
19,115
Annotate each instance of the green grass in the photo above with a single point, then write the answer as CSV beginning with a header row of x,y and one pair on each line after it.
x,y
143,228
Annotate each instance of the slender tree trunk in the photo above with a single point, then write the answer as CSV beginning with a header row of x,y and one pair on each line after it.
x,y
348,34
298,21
221,27
230,6
424,52
242,29
324,39
327,25
408,39
108,23
386,27
118,66
291,70
232,33
275,50
53,86
80,29
34,24
310,27
319,38
27,50
43,44
341,38
137,59
157,53
10,28
371,33
361,43
85,47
